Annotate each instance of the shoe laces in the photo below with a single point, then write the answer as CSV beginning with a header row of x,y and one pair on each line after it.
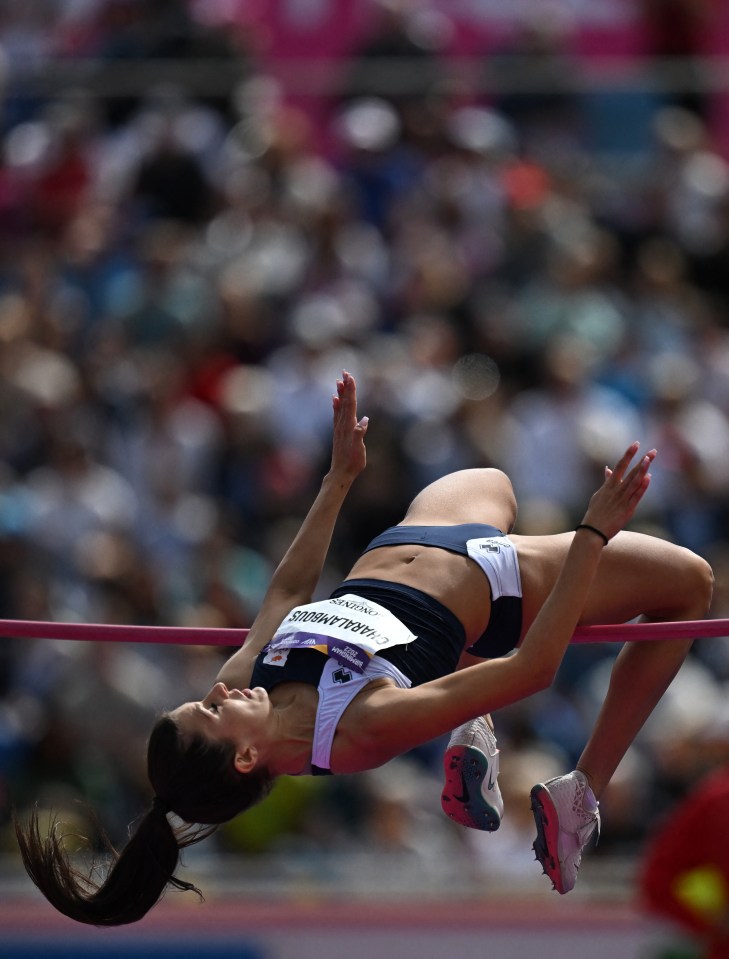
x,y
490,738
591,817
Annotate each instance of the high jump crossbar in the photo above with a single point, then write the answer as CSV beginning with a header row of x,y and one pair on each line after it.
x,y
206,636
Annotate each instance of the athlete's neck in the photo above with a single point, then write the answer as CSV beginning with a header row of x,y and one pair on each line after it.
x,y
294,711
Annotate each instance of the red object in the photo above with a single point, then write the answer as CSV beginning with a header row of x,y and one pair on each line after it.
x,y
695,837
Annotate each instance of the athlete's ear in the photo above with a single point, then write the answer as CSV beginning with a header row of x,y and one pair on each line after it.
x,y
246,759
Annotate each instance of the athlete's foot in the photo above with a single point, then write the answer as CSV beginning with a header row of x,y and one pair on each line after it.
x,y
471,795
566,815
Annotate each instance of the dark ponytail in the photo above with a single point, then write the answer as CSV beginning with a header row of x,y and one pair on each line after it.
x,y
196,780
136,880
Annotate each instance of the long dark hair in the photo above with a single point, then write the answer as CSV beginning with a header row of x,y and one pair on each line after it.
x,y
192,778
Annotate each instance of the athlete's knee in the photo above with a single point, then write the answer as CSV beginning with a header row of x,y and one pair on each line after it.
x,y
500,475
699,585
498,479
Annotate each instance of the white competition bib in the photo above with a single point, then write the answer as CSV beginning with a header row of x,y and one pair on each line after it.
x,y
347,628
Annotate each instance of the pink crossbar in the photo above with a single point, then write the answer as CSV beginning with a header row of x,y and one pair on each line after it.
x,y
199,636
101,633
623,632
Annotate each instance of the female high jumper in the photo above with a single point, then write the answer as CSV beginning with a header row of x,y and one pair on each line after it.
x,y
443,619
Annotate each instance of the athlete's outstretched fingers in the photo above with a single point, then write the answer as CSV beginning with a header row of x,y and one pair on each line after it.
x,y
617,472
348,449
636,482
638,471
614,504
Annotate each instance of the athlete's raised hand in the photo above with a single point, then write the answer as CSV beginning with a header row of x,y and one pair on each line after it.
x,y
614,504
349,455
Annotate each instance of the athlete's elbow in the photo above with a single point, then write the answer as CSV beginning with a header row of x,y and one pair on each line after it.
x,y
538,676
544,678
523,674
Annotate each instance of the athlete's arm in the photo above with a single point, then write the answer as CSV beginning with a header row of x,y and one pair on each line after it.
x,y
405,718
297,575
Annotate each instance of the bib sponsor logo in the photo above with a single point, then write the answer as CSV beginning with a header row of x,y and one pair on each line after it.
x,y
276,657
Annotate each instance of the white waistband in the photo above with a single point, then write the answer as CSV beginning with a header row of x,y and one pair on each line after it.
x,y
497,557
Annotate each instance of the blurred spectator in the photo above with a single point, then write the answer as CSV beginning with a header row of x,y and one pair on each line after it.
x,y
530,76
398,62
674,32
508,859
170,183
692,433
567,424
72,499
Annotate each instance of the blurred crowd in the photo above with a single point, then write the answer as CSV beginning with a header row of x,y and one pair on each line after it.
x,y
183,277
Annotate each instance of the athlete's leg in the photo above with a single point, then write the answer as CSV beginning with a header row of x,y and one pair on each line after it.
x,y
638,575
664,583
466,496
641,675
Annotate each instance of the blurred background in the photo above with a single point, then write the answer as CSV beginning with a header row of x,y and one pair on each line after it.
x,y
511,222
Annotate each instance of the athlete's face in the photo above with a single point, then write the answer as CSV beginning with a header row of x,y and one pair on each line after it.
x,y
226,715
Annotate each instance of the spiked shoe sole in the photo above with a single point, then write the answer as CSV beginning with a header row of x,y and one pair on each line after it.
x,y
462,800
546,845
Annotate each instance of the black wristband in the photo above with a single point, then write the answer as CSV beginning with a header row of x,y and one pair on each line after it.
x,y
593,529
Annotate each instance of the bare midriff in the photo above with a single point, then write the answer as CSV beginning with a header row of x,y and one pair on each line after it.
x,y
451,579
459,583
